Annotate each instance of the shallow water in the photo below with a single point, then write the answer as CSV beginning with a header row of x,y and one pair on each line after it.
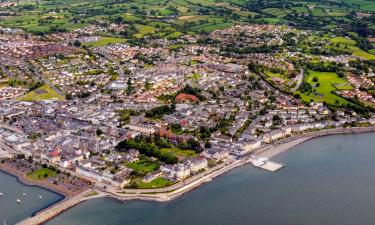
x,y
12,212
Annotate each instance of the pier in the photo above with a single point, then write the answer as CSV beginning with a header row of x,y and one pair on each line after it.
x,y
266,164
56,209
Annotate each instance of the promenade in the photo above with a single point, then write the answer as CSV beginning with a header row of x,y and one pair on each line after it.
x,y
180,188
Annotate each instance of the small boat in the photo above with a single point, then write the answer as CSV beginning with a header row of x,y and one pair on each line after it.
x,y
40,196
18,201
24,194
1,194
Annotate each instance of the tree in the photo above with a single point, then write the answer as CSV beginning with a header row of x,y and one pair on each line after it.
x,y
194,144
77,43
99,132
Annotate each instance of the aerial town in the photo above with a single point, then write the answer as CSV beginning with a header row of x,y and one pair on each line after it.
x,y
119,99
154,115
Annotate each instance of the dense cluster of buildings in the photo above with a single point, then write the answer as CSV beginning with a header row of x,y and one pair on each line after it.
x,y
215,104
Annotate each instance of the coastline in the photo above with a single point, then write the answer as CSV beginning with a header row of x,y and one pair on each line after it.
x,y
22,178
183,187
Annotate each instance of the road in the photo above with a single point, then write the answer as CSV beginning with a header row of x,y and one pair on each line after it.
x,y
299,79
36,72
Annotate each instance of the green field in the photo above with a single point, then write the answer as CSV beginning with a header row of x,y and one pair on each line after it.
x,y
362,4
276,12
144,30
45,92
183,16
336,13
42,174
342,40
300,9
105,41
362,54
157,183
318,12
327,81
349,44
179,152
143,166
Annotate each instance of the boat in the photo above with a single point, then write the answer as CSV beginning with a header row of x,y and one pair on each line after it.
x,y
24,194
18,201
1,194
40,196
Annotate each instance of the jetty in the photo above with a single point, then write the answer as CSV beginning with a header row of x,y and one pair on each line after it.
x,y
266,164
54,210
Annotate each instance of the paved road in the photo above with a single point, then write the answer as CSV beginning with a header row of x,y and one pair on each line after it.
x,y
46,81
299,79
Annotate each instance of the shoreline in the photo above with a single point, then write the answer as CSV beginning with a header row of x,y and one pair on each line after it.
x,y
19,180
181,188
22,178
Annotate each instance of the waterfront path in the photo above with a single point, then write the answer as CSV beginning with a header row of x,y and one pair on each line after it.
x,y
174,191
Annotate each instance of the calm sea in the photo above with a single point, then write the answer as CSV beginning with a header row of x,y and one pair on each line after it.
x,y
12,212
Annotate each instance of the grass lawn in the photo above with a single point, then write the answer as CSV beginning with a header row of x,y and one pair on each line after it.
x,y
157,183
143,166
45,92
327,81
179,152
105,41
41,174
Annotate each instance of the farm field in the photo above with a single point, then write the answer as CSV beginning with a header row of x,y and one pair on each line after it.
x,y
184,16
318,12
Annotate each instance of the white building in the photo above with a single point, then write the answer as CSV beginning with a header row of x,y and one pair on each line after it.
x,y
197,164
